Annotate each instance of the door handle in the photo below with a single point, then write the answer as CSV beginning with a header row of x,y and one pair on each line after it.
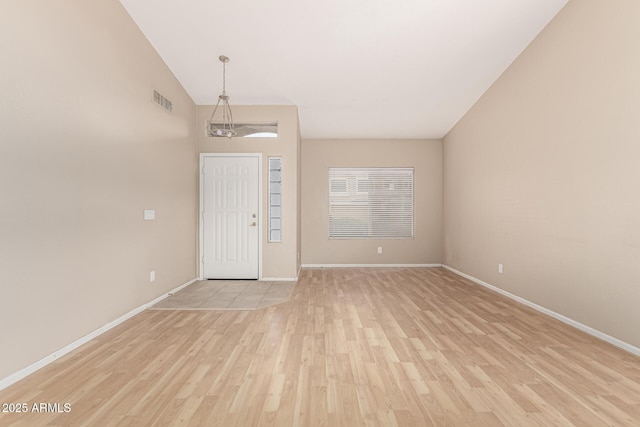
x,y
253,224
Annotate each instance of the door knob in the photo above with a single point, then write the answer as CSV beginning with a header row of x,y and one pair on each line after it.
x,y
253,224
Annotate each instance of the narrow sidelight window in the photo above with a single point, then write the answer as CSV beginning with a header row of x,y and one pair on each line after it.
x,y
275,199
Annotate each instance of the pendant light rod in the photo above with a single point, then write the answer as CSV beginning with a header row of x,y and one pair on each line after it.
x,y
224,60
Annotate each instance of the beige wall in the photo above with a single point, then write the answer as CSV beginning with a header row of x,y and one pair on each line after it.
x,y
279,260
83,151
424,155
542,173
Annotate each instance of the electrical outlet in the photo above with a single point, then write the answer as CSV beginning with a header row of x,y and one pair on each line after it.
x,y
500,268
379,249
152,276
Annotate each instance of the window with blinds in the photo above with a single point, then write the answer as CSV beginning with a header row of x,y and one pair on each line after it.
x,y
370,203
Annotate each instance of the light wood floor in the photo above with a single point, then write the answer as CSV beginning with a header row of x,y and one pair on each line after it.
x,y
413,347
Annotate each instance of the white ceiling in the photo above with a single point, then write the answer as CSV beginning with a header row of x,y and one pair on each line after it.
x,y
354,68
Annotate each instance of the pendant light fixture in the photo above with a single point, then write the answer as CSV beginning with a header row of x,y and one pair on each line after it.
x,y
224,127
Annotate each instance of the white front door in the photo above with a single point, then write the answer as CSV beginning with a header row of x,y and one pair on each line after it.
x,y
230,223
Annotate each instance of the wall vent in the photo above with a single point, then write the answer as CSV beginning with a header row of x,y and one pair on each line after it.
x,y
162,101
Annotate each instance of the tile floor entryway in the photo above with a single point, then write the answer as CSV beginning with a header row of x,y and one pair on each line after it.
x,y
227,295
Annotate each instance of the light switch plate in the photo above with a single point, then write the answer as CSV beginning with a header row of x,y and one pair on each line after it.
x,y
149,214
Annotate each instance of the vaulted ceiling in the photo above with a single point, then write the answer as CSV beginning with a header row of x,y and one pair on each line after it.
x,y
354,68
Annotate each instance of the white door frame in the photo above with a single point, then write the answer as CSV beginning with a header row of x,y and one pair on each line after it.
x,y
200,208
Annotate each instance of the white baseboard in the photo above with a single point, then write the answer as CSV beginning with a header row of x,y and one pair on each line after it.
x,y
369,265
6,382
589,330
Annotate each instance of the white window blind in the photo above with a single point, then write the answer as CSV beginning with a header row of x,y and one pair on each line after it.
x,y
370,203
